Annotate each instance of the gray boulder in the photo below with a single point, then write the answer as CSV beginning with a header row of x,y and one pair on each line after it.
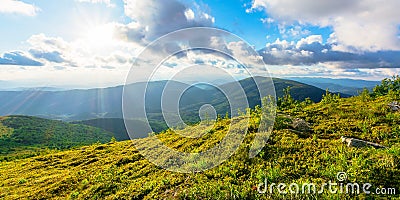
x,y
394,106
357,143
301,125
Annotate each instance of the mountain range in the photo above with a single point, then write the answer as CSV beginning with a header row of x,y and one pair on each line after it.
x,y
75,105
102,107
345,86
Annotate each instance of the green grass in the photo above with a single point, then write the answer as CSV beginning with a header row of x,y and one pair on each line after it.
x,y
118,171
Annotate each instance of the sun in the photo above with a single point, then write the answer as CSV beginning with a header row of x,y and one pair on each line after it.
x,y
100,35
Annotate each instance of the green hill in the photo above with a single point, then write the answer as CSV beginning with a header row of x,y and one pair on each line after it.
x,y
22,135
118,171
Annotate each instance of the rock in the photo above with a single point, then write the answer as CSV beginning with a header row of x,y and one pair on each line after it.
x,y
357,143
301,125
301,128
394,106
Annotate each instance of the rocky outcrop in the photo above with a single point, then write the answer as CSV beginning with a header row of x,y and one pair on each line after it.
x,y
301,125
394,106
357,143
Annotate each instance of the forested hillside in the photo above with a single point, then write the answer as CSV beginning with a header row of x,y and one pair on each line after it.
x,y
27,136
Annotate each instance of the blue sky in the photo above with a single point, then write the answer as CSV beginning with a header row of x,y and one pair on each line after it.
x,y
58,43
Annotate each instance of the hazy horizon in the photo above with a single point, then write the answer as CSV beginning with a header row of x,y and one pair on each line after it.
x,y
16,86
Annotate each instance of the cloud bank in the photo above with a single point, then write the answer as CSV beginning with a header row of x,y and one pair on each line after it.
x,y
18,7
364,25
311,51
18,58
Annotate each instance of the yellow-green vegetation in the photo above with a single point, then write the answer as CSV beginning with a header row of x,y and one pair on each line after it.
x,y
25,136
118,171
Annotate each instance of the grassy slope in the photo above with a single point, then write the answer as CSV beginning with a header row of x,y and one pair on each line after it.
x,y
117,170
23,135
117,126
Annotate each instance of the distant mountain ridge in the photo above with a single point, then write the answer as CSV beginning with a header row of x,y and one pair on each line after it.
x,y
210,96
75,105
346,86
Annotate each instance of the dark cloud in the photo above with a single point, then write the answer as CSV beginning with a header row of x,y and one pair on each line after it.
x,y
18,58
50,56
199,62
285,53
59,67
170,65
107,67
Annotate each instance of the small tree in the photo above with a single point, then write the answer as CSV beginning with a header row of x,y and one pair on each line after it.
x,y
287,100
365,95
330,98
113,140
226,115
388,85
307,101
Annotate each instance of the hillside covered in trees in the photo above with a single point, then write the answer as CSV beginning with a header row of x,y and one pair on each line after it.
x,y
24,136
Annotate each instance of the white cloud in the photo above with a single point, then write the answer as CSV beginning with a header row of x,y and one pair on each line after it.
x,y
154,18
69,63
189,14
100,51
366,25
18,7
298,31
267,20
245,54
44,43
328,71
309,40
206,19
107,2
257,5
294,31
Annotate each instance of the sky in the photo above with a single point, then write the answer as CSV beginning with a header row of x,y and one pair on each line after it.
x,y
93,43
